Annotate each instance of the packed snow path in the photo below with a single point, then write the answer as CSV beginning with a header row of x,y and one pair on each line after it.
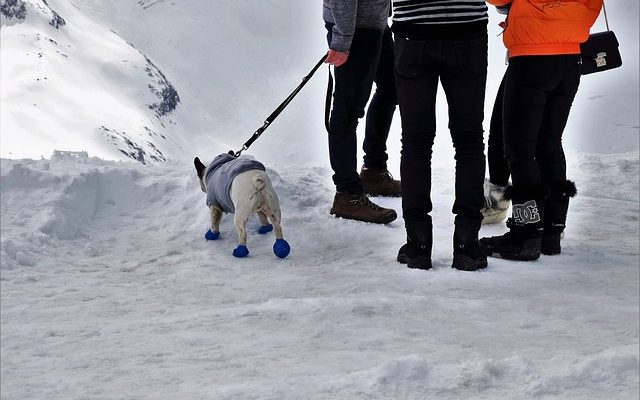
x,y
109,291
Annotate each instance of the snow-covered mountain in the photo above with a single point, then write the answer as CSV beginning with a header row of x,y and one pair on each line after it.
x,y
231,62
69,82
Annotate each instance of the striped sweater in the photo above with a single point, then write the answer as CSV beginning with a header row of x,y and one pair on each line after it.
x,y
440,19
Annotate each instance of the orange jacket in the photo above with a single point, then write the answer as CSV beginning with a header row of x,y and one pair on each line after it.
x,y
548,27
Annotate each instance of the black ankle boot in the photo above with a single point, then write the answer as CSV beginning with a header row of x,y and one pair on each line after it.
x,y
556,208
416,253
467,254
521,243
550,245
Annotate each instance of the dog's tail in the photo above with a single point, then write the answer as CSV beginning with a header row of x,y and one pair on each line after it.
x,y
259,181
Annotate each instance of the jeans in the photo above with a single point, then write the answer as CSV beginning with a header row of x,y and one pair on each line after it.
x,y
538,94
498,166
461,67
370,60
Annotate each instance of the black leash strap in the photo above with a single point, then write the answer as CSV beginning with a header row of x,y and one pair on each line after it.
x,y
327,102
278,110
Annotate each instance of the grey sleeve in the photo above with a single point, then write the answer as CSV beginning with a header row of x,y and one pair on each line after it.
x,y
344,14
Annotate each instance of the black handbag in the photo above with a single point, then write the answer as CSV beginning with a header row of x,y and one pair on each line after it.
x,y
600,52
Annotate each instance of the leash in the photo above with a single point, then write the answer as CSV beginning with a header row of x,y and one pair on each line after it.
x,y
284,105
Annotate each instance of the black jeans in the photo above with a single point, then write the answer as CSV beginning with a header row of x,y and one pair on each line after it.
x,y
370,59
538,94
461,67
498,166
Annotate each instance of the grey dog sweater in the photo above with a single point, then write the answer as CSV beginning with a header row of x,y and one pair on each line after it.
x,y
347,15
219,176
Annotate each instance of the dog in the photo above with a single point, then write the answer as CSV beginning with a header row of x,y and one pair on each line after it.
x,y
240,186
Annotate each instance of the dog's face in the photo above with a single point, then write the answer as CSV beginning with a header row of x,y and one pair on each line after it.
x,y
200,168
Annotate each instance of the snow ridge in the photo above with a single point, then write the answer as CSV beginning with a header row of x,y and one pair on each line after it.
x,y
109,290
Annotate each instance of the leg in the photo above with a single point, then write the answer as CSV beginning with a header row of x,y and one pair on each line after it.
x,y
496,205
528,83
274,216
265,226
281,247
464,80
240,223
551,159
262,217
353,82
376,179
498,166
214,232
417,84
216,216
381,108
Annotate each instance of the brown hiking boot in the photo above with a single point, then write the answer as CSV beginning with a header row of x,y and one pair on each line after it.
x,y
379,183
360,208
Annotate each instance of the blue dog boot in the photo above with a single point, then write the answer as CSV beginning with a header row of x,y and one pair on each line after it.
x,y
240,251
281,248
265,229
211,235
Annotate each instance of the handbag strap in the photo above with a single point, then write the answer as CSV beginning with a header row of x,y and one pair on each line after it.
x,y
606,20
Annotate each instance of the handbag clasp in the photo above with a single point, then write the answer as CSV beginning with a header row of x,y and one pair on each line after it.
x,y
601,60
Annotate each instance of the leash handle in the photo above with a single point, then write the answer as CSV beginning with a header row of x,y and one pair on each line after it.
x,y
278,110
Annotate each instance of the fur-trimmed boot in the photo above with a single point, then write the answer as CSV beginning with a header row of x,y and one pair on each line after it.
x,y
496,203
556,208
416,253
523,241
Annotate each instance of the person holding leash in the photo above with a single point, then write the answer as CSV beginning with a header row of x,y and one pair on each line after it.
x,y
361,49
446,42
543,40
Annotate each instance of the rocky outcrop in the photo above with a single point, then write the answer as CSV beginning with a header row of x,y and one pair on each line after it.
x,y
162,89
13,9
141,152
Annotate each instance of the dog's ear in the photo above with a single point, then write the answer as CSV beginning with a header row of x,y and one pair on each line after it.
x,y
200,167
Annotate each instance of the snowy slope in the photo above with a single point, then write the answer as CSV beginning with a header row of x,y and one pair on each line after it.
x,y
109,291
232,62
70,83
238,59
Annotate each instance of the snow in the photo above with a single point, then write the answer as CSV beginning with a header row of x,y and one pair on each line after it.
x,y
108,289
79,87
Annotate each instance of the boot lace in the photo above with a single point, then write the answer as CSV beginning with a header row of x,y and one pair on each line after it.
x,y
386,174
364,200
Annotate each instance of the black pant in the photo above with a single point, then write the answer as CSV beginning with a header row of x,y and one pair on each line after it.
x,y
370,59
461,67
538,94
498,166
